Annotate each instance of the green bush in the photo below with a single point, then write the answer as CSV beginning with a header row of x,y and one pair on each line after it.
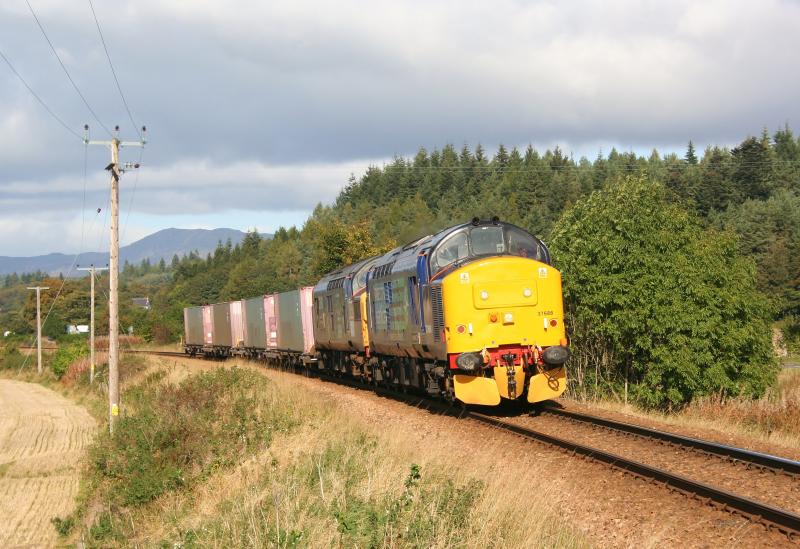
x,y
69,350
656,301
178,434
790,328
63,526
11,357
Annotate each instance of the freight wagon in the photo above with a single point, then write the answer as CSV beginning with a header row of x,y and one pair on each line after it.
x,y
276,326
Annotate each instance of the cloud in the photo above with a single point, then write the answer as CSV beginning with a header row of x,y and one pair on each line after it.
x,y
196,186
233,93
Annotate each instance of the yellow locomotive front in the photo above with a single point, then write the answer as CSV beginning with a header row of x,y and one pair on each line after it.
x,y
503,320
473,313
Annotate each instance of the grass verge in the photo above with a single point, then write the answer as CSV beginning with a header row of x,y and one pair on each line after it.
x,y
226,457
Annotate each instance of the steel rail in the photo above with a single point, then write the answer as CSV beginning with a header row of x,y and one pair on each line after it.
x,y
785,521
774,517
776,463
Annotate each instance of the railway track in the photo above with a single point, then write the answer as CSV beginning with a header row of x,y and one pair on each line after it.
x,y
730,453
770,516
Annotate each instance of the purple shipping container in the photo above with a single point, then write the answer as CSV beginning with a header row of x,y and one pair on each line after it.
x,y
271,321
237,328
208,325
306,305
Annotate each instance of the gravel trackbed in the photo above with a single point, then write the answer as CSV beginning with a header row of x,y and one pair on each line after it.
x,y
42,437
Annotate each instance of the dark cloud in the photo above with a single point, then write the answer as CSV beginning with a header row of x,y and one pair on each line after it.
x,y
295,84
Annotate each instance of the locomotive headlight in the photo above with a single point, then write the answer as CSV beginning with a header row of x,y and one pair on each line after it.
x,y
527,292
484,295
469,361
555,355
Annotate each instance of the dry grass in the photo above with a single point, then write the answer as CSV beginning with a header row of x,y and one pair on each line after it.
x,y
340,480
125,342
774,418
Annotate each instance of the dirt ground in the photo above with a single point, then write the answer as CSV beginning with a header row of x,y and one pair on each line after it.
x,y
42,437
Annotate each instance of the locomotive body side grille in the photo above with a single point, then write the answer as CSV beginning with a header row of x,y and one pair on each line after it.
x,y
438,315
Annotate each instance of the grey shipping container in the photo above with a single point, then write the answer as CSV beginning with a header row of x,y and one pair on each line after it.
x,y
193,322
221,314
255,330
295,331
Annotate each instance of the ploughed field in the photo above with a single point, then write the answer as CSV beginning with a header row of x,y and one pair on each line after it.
x,y
42,439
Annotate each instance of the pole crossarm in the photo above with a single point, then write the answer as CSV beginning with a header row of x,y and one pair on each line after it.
x,y
119,143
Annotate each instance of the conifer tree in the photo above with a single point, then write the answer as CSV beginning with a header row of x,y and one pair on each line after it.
x,y
691,157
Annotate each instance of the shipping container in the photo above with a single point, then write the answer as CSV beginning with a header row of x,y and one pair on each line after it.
x,y
208,325
221,325
271,321
295,331
237,326
255,332
193,326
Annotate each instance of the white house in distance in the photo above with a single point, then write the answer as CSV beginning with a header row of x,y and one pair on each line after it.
x,y
73,329
143,302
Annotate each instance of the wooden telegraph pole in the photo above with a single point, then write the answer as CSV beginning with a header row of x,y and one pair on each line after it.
x,y
113,268
39,324
92,270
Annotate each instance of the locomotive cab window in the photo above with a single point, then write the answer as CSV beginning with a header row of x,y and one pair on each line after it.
x,y
452,249
522,244
487,240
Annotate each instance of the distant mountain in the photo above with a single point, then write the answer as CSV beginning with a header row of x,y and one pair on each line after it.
x,y
162,244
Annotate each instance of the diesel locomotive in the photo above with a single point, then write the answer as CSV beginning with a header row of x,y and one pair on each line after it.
x,y
473,313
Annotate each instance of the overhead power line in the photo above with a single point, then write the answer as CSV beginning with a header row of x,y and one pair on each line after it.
x,y
113,72
64,67
39,99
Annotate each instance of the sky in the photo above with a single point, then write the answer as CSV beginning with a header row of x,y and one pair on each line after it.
x,y
257,111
